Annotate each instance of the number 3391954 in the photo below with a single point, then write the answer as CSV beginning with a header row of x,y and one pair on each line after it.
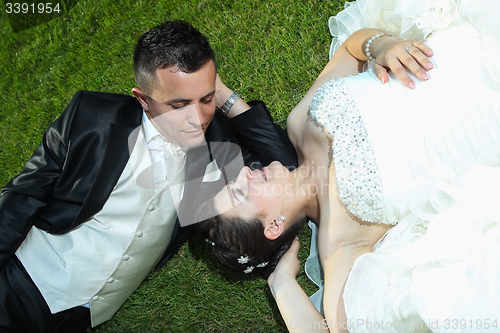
x,y
25,8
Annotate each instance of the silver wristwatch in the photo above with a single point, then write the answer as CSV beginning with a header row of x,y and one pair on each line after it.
x,y
230,102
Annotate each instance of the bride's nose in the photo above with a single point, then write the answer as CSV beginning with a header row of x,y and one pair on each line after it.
x,y
250,174
245,173
274,164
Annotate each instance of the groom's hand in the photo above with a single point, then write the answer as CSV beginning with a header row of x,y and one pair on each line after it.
x,y
222,93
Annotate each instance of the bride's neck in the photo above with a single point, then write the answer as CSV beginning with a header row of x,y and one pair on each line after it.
x,y
306,190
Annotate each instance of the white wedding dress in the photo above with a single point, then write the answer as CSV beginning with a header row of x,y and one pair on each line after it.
x,y
426,160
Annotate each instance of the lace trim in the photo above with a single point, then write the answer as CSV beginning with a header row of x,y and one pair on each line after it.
x,y
406,19
358,181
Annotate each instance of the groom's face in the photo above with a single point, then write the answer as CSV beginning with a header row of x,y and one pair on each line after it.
x,y
182,105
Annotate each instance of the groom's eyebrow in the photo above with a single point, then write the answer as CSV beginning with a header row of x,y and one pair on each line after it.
x,y
177,100
183,100
210,94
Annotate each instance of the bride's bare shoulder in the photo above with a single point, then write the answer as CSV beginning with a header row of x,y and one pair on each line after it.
x,y
306,134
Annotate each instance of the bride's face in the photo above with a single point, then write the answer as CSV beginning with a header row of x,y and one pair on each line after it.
x,y
255,192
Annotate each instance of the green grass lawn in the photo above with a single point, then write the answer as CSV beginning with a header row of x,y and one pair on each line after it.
x,y
268,50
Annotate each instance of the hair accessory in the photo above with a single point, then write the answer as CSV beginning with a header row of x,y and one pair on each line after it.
x,y
230,102
248,270
368,44
243,260
209,242
262,265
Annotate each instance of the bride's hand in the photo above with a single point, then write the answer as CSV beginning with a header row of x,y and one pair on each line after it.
x,y
288,266
396,54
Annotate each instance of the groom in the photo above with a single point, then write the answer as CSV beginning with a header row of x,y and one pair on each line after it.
x,y
95,209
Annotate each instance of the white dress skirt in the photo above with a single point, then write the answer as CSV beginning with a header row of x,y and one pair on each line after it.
x,y
426,160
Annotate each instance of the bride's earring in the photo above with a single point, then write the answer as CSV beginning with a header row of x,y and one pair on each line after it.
x,y
282,218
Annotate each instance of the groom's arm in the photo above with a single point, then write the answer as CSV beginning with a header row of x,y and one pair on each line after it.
x,y
28,193
262,140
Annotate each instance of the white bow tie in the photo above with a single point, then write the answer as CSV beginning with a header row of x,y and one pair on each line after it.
x,y
171,149
172,159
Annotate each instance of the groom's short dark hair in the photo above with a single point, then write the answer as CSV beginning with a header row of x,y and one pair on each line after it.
x,y
172,43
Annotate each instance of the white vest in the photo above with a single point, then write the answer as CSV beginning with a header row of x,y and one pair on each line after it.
x,y
106,258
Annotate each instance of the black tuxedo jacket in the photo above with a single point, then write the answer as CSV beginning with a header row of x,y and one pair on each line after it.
x,y
84,151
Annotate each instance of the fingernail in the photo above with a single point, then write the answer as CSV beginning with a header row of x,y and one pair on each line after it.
x,y
425,76
412,85
296,237
430,66
430,53
383,80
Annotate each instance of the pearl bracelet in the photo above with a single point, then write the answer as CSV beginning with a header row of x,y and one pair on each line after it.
x,y
368,44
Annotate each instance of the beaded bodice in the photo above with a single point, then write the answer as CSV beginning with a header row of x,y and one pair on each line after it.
x,y
357,178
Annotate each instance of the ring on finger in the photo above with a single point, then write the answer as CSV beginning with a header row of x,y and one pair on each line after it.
x,y
408,49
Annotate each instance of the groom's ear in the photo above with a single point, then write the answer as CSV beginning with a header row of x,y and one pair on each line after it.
x,y
141,97
274,229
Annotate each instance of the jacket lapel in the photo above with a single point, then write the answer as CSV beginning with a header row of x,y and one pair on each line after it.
x,y
114,160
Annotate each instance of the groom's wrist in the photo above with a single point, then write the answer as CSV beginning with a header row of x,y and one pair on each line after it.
x,y
221,96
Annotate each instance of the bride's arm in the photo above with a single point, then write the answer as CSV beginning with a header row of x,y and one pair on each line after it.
x,y
389,53
298,312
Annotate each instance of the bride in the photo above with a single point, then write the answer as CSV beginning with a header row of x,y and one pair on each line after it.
x,y
403,184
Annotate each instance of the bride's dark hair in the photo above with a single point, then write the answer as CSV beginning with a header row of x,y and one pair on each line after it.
x,y
240,245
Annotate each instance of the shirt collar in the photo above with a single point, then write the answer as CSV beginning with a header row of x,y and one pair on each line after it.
x,y
150,130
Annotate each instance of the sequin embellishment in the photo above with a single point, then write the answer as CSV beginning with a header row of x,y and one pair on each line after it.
x,y
356,172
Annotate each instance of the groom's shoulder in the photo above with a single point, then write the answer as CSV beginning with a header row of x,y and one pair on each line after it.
x,y
99,103
92,108
104,96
